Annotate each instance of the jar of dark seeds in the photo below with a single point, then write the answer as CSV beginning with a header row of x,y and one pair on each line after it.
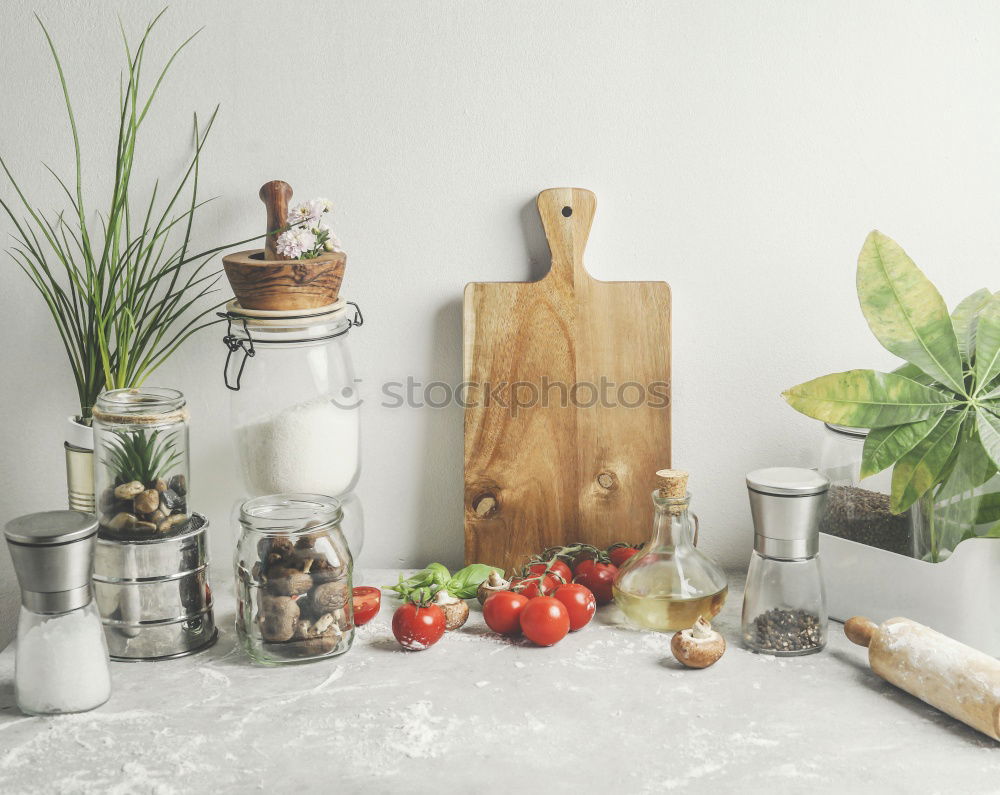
x,y
293,578
784,606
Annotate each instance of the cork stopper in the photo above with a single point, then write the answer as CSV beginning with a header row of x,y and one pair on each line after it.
x,y
672,483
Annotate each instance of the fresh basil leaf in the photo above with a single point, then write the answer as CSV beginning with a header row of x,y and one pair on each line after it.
x,y
465,582
435,575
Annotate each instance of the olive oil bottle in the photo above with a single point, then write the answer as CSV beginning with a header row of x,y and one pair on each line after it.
x,y
669,584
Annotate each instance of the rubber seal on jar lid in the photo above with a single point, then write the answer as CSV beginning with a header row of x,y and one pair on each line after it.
x,y
787,481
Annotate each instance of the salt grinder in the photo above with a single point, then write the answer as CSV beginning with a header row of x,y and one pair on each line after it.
x,y
53,554
784,605
61,662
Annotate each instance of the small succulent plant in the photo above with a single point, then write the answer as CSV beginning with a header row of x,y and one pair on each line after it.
x,y
141,456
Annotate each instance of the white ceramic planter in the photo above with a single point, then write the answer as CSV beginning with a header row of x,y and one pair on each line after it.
x,y
957,597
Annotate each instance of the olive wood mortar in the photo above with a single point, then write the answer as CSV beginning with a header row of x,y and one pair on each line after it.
x,y
264,280
284,284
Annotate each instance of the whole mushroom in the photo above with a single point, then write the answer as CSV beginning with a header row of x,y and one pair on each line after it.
x,y
279,616
698,647
495,582
456,611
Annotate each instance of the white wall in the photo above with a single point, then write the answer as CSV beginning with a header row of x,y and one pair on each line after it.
x,y
741,151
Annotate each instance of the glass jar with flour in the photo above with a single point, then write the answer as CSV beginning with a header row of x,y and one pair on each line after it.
x,y
295,404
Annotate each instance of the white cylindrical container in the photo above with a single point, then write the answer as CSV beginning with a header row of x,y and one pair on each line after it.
x,y
295,404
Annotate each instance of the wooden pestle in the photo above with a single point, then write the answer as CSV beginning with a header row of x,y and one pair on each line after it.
x,y
955,678
275,195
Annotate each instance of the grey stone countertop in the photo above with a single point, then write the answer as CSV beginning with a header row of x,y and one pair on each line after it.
x,y
608,709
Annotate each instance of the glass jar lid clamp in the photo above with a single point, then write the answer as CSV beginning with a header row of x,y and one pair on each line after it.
x,y
289,328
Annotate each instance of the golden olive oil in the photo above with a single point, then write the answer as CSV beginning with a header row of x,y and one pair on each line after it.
x,y
667,613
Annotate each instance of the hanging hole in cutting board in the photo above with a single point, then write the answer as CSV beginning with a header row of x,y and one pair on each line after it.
x,y
567,211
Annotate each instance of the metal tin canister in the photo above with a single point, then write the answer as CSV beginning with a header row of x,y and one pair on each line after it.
x,y
154,596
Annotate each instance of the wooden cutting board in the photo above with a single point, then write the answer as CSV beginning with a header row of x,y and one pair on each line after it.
x,y
548,460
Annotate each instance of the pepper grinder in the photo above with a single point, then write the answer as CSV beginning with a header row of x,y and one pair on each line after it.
x,y
61,658
784,604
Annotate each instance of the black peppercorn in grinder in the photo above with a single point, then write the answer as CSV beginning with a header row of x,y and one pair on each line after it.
x,y
784,605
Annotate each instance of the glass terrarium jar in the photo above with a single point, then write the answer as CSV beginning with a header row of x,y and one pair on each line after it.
x,y
670,584
141,469
293,579
295,409
858,509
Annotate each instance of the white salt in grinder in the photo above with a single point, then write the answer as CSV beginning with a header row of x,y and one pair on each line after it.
x,y
784,605
61,659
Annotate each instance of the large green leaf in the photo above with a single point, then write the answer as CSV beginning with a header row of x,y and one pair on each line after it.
x,y
965,320
885,446
973,466
920,469
988,425
914,373
905,311
988,344
988,508
867,399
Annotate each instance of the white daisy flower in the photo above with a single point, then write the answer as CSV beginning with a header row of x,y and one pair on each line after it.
x,y
295,242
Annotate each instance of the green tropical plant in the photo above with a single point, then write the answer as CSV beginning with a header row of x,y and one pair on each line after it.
x,y
141,456
935,419
124,289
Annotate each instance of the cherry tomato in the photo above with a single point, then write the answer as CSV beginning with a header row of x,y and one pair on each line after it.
x,y
543,587
502,612
598,577
580,604
619,555
545,621
581,560
558,567
417,628
367,603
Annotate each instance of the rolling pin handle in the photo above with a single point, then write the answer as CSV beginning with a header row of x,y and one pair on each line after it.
x,y
860,630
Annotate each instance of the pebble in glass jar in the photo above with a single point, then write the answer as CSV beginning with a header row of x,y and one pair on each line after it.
x,y
784,604
293,575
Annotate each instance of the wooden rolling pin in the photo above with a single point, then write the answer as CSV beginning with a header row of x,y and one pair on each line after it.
x,y
955,678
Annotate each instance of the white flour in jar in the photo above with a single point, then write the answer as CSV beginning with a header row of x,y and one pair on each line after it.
x,y
311,448
62,664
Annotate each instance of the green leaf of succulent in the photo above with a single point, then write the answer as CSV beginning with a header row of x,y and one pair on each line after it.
x,y
988,425
988,344
867,399
920,469
905,311
965,320
885,446
973,466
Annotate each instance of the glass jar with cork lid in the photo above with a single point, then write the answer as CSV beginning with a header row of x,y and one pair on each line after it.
x,y
670,584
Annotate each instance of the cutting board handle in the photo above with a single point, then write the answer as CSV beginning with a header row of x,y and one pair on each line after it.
x,y
567,214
